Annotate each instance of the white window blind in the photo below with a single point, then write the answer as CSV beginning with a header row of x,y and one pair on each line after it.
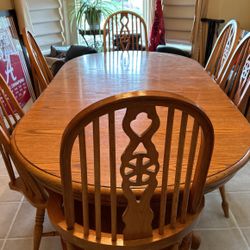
x,y
178,18
47,20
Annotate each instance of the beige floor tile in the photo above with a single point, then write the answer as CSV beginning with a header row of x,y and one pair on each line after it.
x,y
25,221
5,193
51,243
3,171
240,182
19,244
48,243
239,205
212,215
246,232
7,211
1,243
229,239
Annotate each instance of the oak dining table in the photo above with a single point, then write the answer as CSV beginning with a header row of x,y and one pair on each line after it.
x,y
90,78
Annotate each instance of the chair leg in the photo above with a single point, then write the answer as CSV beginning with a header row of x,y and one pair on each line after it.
x,y
63,244
38,230
174,247
224,203
196,241
186,242
70,246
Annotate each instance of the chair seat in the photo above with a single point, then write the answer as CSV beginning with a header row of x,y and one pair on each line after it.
x,y
17,185
176,49
170,236
57,59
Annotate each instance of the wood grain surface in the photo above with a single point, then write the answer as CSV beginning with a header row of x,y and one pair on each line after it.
x,y
85,80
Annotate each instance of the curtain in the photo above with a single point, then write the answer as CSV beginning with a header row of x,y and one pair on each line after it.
x,y
23,15
199,31
148,13
157,35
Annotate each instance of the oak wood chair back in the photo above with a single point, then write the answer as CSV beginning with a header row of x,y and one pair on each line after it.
x,y
10,109
125,30
138,168
223,49
236,78
20,179
41,73
11,113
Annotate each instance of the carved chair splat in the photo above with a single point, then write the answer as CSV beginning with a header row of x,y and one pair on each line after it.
x,y
223,49
133,174
125,30
236,80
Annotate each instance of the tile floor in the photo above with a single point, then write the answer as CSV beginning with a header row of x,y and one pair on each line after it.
x,y
217,233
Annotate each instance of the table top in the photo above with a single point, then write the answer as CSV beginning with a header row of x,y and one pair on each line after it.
x,y
90,78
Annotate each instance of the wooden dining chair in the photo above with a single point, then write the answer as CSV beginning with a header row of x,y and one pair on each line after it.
x,y
20,179
42,75
135,173
125,30
223,49
236,78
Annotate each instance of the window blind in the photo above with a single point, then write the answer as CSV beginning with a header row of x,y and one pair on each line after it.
x,y
47,20
178,18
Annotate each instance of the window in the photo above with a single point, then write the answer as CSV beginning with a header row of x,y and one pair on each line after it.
x,y
133,5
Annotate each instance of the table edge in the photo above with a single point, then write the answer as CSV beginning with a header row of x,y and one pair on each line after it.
x,y
53,182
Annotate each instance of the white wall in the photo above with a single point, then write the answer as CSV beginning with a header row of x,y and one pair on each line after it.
x,y
231,9
5,4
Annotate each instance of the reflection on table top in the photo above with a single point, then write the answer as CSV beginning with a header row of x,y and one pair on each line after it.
x,y
90,78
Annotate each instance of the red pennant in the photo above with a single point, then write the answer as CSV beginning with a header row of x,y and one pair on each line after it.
x,y
157,35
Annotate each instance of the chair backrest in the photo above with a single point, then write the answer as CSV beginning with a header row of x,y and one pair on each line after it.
x,y
11,113
125,30
40,70
223,49
10,108
140,166
236,78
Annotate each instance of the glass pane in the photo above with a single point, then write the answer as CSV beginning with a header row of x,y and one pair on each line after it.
x,y
133,5
95,41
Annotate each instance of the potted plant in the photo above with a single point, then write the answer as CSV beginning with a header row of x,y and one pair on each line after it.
x,y
92,12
